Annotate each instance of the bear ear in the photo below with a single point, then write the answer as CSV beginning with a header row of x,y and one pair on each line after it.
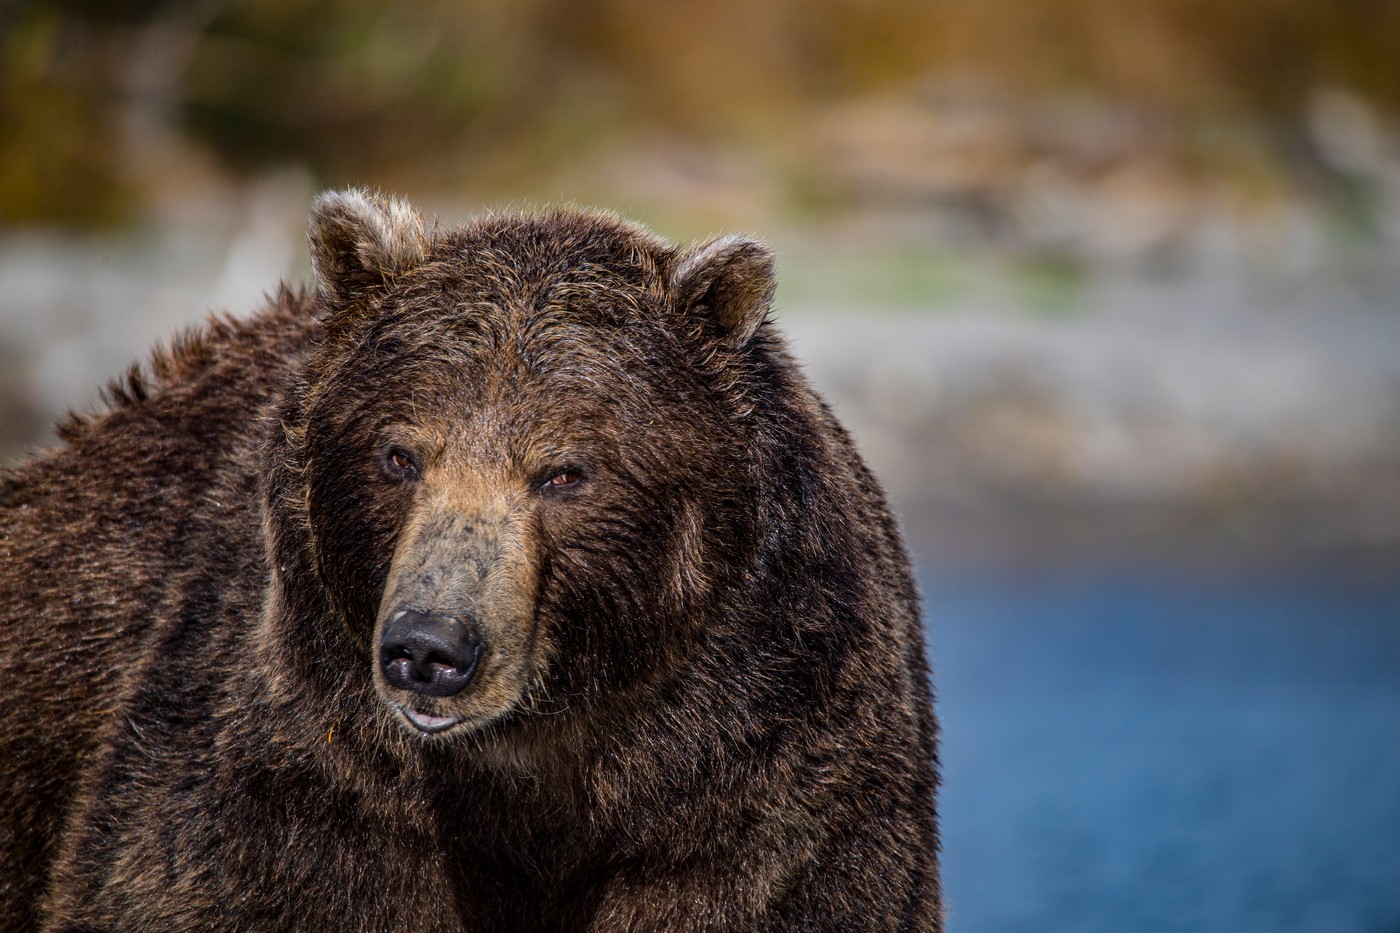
x,y
359,239
730,279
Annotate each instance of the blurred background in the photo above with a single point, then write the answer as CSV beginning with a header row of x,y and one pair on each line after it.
x,y
1109,293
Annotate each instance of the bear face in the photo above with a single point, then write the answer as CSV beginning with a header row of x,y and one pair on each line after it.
x,y
503,522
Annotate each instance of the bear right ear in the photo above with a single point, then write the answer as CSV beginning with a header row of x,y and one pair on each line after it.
x,y
360,239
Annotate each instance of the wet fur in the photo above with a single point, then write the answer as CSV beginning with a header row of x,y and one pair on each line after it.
x,y
726,722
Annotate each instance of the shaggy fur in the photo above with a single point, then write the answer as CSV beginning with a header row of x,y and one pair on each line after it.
x,y
701,701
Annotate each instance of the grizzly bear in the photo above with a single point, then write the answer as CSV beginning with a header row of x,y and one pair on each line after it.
x,y
515,579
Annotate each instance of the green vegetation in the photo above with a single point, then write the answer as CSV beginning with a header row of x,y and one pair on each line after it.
x,y
99,101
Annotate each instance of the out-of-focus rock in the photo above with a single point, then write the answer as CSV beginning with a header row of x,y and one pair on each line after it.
x,y
75,311
1277,414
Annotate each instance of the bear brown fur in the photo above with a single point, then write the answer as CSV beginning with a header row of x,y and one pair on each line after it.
x,y
517,580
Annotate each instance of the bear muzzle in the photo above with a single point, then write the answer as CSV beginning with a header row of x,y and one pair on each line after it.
x,y
454,643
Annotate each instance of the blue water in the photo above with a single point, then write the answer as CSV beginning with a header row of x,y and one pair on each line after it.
x,y
1121,754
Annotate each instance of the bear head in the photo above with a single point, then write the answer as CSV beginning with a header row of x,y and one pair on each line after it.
x,y
518,472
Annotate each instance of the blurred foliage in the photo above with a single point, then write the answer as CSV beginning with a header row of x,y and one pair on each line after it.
x,y
57,136
98,99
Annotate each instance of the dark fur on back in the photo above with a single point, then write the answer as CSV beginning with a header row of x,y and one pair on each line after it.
x,y
97,543
704,702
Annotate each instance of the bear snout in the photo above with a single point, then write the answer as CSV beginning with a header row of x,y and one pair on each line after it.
x,y
430,653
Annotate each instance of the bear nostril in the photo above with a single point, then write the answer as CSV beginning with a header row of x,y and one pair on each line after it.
x,y
399,671
428,652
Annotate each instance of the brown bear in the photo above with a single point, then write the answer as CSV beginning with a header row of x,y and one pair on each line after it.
x,y
515,580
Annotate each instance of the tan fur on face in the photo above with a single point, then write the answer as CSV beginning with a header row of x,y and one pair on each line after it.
x,y
468,550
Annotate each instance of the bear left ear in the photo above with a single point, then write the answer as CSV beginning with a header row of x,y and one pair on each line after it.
x,y
359,239
731,279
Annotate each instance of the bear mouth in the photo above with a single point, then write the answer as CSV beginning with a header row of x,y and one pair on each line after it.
x,y
427,722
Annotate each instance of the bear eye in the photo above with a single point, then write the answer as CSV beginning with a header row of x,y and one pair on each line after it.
x,y
400,464
562,480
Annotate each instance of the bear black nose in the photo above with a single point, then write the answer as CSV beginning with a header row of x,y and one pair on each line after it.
x,y
428,652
